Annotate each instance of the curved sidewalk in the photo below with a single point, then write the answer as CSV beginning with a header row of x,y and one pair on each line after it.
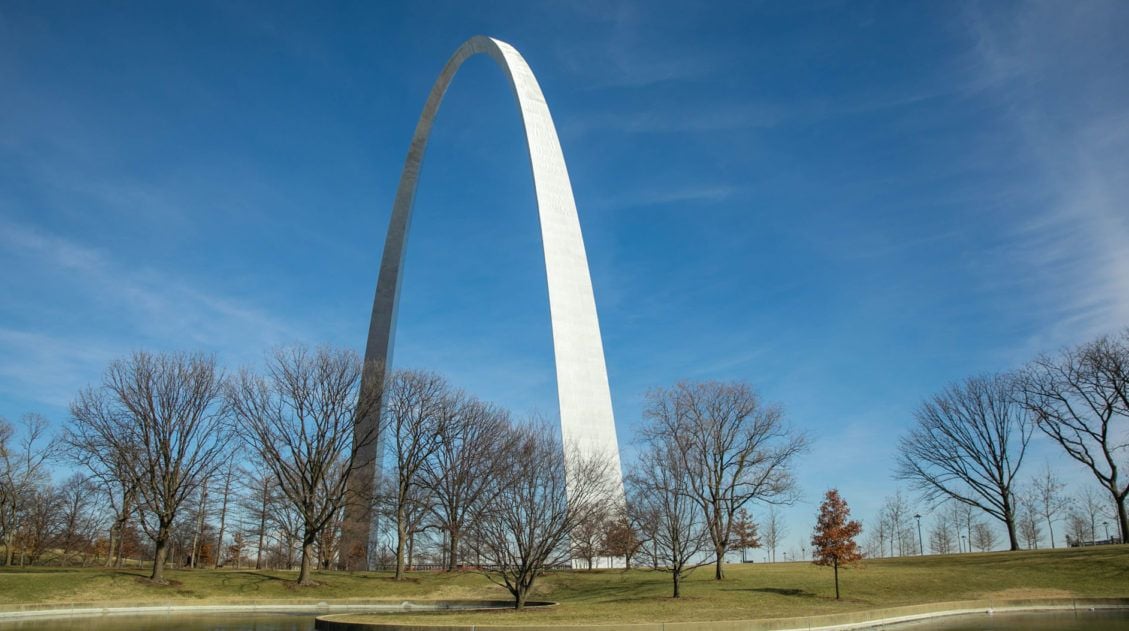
x,y
827,622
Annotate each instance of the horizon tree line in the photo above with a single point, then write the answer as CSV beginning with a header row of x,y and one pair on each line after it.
x,y
969,441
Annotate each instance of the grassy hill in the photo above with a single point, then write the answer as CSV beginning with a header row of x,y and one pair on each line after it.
x,y
750,591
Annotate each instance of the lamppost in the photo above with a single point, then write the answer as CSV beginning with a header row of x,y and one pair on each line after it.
x,y
966,548
1106,524
804,552
785,557
920,544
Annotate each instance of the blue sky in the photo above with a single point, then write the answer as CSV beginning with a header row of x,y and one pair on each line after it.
x,y
846,204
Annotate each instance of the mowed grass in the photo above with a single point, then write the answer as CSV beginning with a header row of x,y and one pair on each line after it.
x,y
617,596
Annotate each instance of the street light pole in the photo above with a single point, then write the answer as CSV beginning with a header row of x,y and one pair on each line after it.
x,y
920,543
1106,524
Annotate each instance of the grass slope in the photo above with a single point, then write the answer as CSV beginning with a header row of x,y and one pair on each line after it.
x,y
750,591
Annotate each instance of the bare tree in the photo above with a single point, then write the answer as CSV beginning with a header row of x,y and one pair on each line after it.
x,y
774,531
734,448
894,520
1081,400
529,513
1090,506
23,467
940,535
459,471
983,537
201,515
587,538
962,516
228,476
162,419
1050,499
79,517
299,418
967,445
661,486
1028,519
417,407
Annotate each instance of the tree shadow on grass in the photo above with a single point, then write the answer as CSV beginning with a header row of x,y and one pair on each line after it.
x,y
780,591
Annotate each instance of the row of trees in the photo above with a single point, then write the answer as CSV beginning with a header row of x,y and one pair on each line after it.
x,y
969,441
191,467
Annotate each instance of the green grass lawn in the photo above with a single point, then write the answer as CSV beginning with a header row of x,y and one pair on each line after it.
x,y
750,591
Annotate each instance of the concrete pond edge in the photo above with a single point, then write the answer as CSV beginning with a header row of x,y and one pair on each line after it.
x,y
14,613
867,619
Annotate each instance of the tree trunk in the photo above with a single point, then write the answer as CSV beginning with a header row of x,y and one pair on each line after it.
x,y
835,562
161,553
453,555
400,537
1013,540
110,549
1051,529
719,573
1122,519
307,560
676,575
223,522
262,533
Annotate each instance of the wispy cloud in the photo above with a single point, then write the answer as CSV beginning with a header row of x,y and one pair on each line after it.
x,y
644,196
150,307
1069,255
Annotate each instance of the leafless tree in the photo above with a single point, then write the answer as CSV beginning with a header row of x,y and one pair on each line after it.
x,y
298,417
529,512
983,537
586,538
255,501
459,471
940,535
1028,518
659,484
418,405
894,522
110,471
1089,505
23,467
734,448
227,478
79,517
1081,400
962,516
1051,502
1079,529
774,531
201,515
162,418
968,444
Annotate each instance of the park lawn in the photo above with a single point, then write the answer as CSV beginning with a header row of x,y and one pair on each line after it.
x,y
617,596
38,585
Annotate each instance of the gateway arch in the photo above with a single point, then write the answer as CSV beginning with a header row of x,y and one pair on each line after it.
x,y
585,402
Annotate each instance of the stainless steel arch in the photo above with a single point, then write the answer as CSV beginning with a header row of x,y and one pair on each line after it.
x,y
587,421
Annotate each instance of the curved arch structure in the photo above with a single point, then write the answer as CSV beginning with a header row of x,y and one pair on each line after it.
x,y
587,422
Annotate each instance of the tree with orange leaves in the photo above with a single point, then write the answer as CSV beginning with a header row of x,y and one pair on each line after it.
x,y
833,542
